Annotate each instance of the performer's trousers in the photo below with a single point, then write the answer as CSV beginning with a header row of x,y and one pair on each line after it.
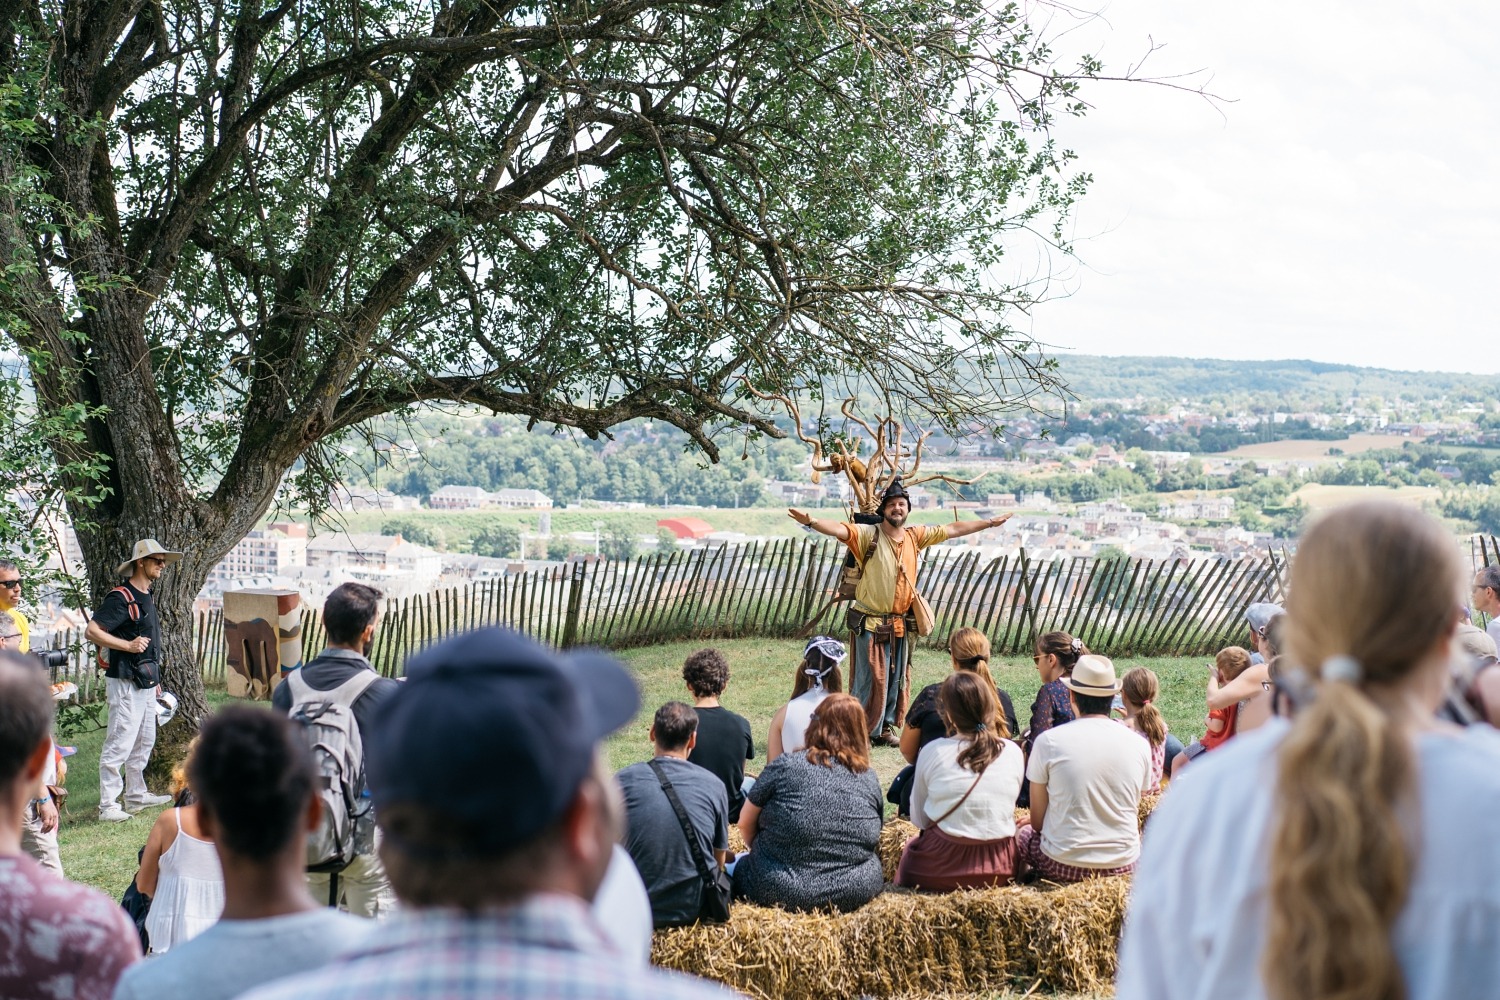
x,y
879,678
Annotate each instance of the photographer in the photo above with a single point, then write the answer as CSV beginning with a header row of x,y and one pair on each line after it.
x,y
126,625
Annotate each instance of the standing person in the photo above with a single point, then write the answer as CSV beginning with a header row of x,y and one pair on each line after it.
x,y
668,864
818,676
39,833
254,780
180,872
964,795
1487,598
127,626
1087,780
495,865
10,597
57,939
351,616
724,741
1350,852
880,618
812,819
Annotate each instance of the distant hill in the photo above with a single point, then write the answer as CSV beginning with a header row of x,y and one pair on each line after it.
x,y
1302,382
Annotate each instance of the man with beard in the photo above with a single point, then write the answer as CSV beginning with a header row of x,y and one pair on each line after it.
x,y
350,617
881,620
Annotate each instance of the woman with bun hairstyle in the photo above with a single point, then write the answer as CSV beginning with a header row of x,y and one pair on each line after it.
x,y
1055,657
964,795
1350,852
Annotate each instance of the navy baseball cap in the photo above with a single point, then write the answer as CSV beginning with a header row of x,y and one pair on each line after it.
x,y
497,731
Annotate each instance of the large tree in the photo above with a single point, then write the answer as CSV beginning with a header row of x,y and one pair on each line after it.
x,y
234,232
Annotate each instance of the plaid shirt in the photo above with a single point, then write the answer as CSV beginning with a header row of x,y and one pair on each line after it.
x,y
545,947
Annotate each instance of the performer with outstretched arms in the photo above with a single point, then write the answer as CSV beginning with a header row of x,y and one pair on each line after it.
x,y
880,617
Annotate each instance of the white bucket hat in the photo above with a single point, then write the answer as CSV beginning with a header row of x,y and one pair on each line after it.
x,y
1093,675
143,548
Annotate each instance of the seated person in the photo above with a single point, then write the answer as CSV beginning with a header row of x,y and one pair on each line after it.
x,y
1228,665
964,795
724,741
1139,689
1087,779
180,869
812,819
818,676
654,836
968,649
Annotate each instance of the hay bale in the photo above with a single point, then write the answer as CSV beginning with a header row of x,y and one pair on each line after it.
x,y
1146,808
893,838
736,841
905,943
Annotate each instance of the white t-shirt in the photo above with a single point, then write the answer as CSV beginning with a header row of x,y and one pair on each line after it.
x,y
1096,771
1196,925
989,813
1492,629
799,712
234,956
622,909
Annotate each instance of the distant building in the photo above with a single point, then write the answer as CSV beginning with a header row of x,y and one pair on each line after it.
x,y
452,497
267,551
385,553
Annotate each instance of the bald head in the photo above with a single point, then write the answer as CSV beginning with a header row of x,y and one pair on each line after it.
x,y
26,712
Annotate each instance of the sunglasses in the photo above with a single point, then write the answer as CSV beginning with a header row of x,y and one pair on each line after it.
x,y
11,583
155,559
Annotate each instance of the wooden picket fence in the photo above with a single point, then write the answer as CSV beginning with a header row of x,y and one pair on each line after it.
x,y
780,588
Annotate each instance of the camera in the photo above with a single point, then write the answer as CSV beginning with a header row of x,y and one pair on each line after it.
x,y
51,659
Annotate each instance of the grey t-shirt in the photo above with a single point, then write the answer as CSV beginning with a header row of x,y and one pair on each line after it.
x,y
234,956
654,836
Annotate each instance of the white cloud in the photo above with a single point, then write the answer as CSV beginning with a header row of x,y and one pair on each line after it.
x,y
1343,208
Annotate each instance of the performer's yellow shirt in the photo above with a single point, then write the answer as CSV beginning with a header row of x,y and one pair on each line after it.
x,y
22,626
882,590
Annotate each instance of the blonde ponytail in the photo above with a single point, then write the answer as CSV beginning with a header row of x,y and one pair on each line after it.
x,y
1140,687
1371,597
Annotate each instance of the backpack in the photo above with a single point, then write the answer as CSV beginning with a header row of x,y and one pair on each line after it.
x,y
138,668
327,722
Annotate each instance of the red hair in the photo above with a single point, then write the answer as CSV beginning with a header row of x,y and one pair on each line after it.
x,y
838,732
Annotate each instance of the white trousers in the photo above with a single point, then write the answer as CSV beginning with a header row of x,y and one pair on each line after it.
x,y
127,742
364,889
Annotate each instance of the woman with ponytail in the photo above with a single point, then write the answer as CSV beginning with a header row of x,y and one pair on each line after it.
x,y
964,795
1138,693
969,650
1350,852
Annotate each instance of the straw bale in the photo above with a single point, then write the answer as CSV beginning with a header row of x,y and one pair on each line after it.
x,y
736,840
893,838
1146,808
904,942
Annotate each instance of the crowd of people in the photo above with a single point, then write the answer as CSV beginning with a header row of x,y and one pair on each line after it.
x,y
1326,837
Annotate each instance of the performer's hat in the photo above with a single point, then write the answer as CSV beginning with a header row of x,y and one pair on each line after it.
x,y
893,492
144,548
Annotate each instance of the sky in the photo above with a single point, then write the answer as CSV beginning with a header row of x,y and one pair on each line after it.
x,y
1342,203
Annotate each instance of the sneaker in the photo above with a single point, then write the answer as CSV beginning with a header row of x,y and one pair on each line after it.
x,y
113,815
146,802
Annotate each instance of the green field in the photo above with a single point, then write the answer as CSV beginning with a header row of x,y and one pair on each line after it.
x,y
104,854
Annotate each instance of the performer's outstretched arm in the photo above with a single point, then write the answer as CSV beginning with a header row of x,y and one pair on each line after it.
x,y
833,529
959,529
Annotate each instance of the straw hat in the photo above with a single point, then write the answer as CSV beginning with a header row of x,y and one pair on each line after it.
x,y
143,548
1093,676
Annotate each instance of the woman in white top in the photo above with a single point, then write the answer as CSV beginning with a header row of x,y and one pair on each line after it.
x,y
963,795
1351,851
180,872
818,676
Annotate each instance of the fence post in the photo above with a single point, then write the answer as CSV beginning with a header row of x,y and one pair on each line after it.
x,y
575,606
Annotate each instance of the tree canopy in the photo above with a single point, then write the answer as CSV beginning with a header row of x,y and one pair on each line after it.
x,y
234,232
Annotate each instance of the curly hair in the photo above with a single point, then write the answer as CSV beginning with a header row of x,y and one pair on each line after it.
x,y
254,775
839,732
706,673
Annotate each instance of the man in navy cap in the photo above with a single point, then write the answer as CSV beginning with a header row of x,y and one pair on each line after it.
x,y
881,615
499,817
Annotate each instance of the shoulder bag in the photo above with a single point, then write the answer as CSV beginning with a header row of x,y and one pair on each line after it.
x,y
921,611
713,907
